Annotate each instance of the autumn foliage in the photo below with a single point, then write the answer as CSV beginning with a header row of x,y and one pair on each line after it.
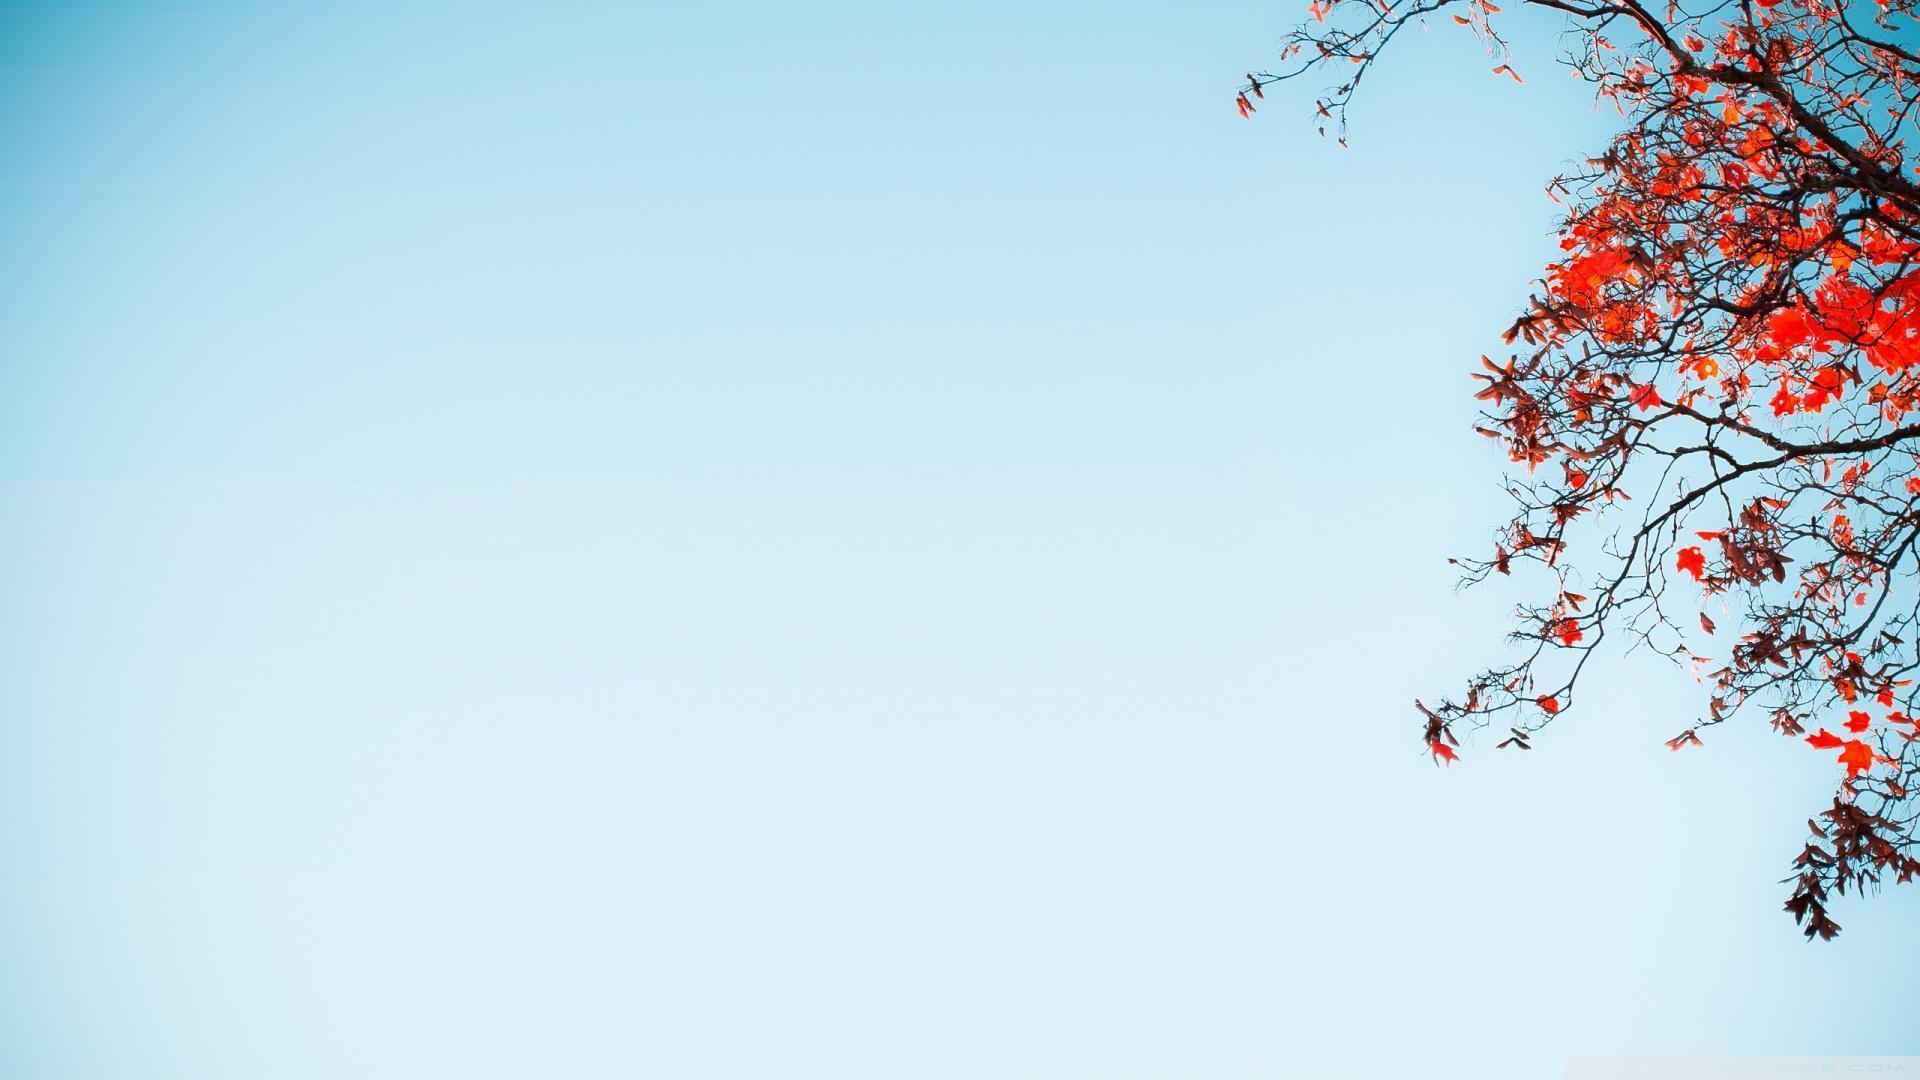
x,y
1712,398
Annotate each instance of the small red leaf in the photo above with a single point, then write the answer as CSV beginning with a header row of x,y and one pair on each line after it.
x,y
1856,756
1691,560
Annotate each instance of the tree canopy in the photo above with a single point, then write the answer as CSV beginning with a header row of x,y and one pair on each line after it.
x,y
1711,400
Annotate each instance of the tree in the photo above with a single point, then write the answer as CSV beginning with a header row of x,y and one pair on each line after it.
x,y
1712,399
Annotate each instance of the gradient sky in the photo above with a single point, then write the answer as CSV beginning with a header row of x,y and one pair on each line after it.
x,y
718,540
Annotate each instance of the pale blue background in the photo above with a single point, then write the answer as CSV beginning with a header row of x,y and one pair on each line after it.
x,y
834,540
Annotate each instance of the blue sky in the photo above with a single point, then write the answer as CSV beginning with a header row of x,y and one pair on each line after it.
x,y
849,540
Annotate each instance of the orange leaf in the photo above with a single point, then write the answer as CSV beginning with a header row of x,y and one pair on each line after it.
x,y
1856,756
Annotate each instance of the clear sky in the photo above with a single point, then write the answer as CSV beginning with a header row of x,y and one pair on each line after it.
x,y
857,541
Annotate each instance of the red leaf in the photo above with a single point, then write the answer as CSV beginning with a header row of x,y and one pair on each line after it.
x,y
1549,704
1442,753
1856,756
1823,740
1857,722
1691,560
1685,738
